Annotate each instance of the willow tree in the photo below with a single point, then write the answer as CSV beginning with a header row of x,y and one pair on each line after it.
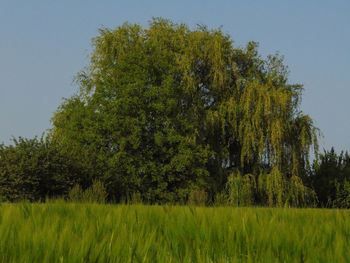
x,y
165,110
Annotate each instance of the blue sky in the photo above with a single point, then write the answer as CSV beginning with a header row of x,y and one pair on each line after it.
x,y
44,43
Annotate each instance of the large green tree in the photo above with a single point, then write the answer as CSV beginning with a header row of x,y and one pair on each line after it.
x,y
166,110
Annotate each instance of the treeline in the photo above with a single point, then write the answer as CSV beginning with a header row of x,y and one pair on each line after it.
x,y
173,115
37,169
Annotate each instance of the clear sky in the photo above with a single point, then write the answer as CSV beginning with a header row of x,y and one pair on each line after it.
x,y
44,43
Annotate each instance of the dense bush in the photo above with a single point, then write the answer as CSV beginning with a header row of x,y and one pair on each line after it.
x,y
330,179
33,169
96,193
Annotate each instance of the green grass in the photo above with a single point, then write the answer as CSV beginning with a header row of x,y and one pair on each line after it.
x,y
61,232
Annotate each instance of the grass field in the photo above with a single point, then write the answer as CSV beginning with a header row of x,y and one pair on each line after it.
x,y
61,232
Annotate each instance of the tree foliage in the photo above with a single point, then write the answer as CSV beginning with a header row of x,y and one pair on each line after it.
x,y
330,179
33,169
167,110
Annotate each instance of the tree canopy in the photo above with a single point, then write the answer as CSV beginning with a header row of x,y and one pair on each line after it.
x,y
331,179
166,110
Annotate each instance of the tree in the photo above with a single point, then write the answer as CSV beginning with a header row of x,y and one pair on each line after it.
x,y
166,110
330,179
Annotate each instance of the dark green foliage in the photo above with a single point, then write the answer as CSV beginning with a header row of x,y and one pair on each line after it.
x,y
343,195
33,169
330,179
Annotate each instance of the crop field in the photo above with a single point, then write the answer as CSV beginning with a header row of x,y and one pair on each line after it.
x,y
64,232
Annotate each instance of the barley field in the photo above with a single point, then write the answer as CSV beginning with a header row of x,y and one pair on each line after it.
x,y
66,232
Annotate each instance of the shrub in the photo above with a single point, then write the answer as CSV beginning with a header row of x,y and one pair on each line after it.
x,y
198,198
94,194
76,194
33,169
221,199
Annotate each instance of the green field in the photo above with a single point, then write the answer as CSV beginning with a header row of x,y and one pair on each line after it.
x,y
61,232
